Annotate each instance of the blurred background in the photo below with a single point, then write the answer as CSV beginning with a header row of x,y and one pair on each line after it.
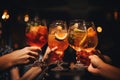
x,y
105,14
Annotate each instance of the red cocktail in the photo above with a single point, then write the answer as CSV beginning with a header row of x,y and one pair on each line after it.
x,y
36,35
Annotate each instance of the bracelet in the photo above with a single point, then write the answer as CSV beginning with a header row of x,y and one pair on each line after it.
x,y
39,63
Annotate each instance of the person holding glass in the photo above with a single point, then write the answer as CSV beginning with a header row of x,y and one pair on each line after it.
x,y
99,67
35,70
35,35
99,63
18,57
89,44
10,58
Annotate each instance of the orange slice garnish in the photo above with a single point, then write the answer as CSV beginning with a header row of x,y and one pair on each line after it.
x,y
60,36
91,31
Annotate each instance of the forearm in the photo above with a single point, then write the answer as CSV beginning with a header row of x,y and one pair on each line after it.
x,y
110,72
31,73
14,73
5,62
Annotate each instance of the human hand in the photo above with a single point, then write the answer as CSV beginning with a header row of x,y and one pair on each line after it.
x,y
25,55
95,65
48,52
32,73
38,67
44,61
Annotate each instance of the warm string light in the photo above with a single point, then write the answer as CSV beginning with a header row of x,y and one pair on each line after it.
x,y
99,29
116,15
26,18
5,15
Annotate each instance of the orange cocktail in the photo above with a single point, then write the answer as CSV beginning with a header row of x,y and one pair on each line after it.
x,y
58,37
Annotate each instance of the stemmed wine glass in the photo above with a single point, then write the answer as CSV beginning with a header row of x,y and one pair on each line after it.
x,y
57,37
90,43
77,35
36,33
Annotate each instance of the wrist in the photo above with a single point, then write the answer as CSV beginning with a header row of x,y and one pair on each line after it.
x,y
102,68
11,60
8,61
40,64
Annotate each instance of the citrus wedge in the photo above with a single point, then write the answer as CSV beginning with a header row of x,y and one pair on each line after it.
x,y
78,30
60,36
90,29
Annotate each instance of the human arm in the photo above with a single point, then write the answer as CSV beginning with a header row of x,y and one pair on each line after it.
x,y
99,67
31,73
21,56
35,69
14,73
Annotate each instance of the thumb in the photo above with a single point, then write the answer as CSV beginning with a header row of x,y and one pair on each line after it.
x,y
90,57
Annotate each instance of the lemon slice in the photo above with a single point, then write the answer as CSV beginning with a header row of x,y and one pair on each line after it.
x,y
82,34
90,29
78,30
60,36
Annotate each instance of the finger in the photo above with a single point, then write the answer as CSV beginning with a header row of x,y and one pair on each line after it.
x,y
27,61
48,51
93,56
32,53
53,49
32,59
90,57
33,48
99,54
92,69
